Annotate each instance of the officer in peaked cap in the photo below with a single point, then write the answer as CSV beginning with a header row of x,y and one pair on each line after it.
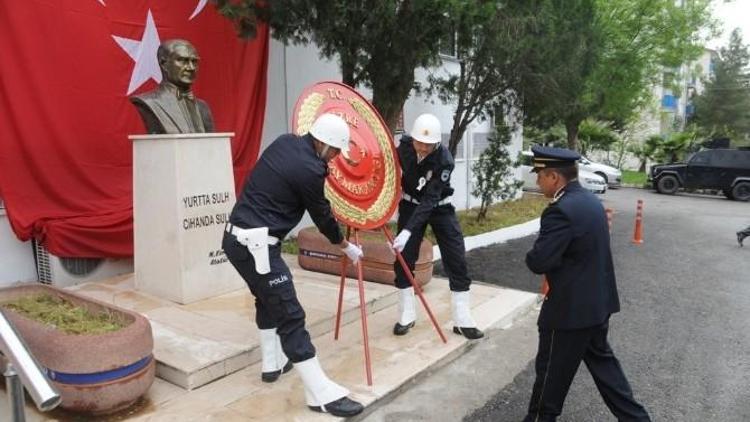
x,y
549,157
573,251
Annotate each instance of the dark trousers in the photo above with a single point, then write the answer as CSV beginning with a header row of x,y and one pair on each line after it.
x,y
557,360
276,304
450,241
744,233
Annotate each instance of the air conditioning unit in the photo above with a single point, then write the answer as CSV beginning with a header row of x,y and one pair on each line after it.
x,y
65,272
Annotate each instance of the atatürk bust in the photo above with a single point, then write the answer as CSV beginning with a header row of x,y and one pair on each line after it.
x,y
172,107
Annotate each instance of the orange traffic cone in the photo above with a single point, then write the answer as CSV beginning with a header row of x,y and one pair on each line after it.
x,y
638,233
610,214
545,285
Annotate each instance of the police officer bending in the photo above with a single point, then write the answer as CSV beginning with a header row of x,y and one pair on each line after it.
x,y
573,251
287,180
426,196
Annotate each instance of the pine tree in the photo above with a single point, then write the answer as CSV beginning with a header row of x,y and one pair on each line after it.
x,y
493,171
723,109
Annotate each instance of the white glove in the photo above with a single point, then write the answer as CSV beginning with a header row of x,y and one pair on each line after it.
x,y
400,241
353,252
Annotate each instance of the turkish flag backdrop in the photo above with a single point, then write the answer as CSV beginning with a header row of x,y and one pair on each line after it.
x,y
66,69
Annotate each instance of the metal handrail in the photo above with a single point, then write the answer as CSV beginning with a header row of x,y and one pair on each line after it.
x,y
21,364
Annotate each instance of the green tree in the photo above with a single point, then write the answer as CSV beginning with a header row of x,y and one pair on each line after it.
x,y
493,171
676,146
493,40
567,53
723,109
596,135
645,151
554,136
379,44
601,57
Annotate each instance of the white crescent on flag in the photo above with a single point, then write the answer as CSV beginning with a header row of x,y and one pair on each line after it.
x,y
198,8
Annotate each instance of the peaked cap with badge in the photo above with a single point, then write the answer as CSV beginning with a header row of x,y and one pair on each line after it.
x,y
550,157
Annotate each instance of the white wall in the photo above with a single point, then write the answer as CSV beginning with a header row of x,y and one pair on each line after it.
x,y
293,68
16,257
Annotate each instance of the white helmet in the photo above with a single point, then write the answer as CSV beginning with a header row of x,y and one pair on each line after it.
x,y
332,130
426,129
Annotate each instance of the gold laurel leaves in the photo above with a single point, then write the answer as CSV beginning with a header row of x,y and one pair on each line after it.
x,y
382,204
307,111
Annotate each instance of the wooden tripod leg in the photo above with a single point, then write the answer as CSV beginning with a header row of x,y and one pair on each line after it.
x,y
341,288
416,286
363,314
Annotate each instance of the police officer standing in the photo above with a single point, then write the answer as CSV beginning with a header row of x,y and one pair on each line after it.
x,y
287,180
426,196
573,251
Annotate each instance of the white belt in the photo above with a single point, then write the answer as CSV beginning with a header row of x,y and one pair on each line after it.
x,y
234,230
408,198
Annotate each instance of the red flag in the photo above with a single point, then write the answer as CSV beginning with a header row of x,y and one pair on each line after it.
x,y
68,67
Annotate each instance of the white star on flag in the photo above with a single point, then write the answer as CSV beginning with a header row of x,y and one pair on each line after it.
x,y
143,52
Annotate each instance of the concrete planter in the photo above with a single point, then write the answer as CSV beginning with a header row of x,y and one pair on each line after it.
x,y
98,373
316,253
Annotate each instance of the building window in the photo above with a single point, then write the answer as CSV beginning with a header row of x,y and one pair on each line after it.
x,y
445,138
479,143
669,101
447,44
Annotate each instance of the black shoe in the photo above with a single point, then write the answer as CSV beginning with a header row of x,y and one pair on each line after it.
x,y
400,330
273,376
343,407
469,332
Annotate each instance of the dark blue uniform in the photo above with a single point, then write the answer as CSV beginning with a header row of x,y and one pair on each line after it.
x,y
287,180
573,251
425,186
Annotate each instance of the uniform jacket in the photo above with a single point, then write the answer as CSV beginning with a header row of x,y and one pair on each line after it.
x,y
161,112
287,180
573,251
428,181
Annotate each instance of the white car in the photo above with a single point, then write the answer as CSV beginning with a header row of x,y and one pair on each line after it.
x,y
611,175
588,180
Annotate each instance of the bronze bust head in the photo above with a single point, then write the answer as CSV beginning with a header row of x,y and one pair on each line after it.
x,y
172,107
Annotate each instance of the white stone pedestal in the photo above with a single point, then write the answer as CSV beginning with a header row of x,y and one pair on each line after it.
x,y
183,193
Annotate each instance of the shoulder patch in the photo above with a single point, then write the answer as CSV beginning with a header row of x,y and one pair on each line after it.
x,y
445,175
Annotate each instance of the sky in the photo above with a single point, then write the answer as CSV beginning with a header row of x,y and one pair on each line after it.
x,y
731,14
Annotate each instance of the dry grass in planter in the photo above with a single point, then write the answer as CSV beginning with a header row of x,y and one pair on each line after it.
x,y
64,315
